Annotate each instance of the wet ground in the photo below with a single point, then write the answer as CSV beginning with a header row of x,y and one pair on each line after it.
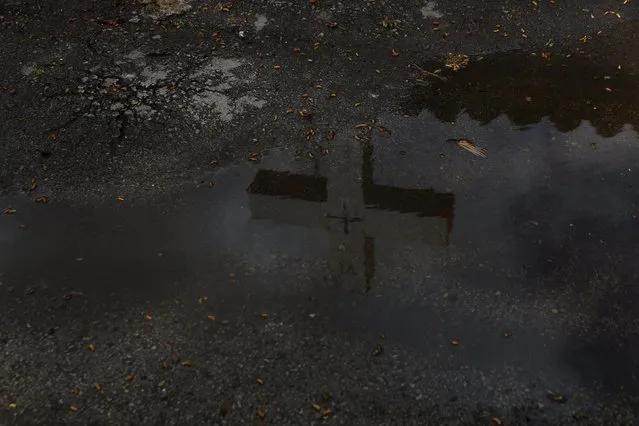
x,y
201,226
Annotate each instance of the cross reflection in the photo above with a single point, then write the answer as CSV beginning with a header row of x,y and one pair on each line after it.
x,y
353,209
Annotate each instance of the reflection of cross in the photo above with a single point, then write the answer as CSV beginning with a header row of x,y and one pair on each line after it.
x,y
354,209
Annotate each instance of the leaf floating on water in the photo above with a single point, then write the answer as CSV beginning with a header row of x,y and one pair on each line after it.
x,y
456,61
472,148
378,350
555,397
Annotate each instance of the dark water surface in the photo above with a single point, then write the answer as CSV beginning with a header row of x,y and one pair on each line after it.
x,y
528,256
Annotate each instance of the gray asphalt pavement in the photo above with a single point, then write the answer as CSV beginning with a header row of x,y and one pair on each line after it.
x,y
320,212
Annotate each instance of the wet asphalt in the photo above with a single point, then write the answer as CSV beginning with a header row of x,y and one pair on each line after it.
x,y
201,226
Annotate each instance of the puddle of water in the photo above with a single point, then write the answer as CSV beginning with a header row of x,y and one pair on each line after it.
x,y
407,218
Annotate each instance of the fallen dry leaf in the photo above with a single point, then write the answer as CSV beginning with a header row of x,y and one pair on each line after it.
x,y
119,198
330,135
34,184
362,125
496,420
187,363
555,397
98,386
455,342
202,299
13,406
261,414
316,406
91,347
394,52
130,378
148,317
264,315
9,210
327,412
253,157
379,349
456,61
42,199
260,381
212,317
472,148
73,408
306,113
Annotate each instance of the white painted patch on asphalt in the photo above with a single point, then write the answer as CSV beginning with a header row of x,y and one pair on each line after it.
x,y
28,70
260,22
216,99
152,76
135,55
429,11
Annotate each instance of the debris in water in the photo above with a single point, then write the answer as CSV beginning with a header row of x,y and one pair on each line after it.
x,y
378,350
555,397
456,61
470,147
